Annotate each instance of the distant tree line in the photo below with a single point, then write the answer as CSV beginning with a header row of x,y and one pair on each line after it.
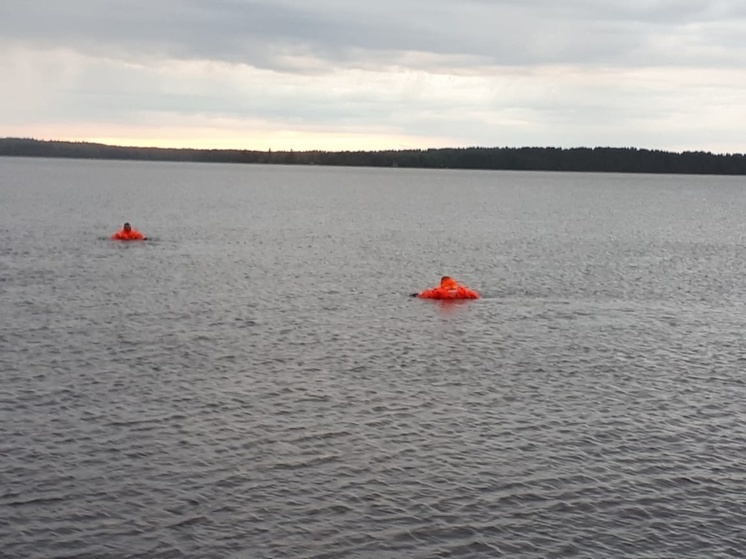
x,y
600,159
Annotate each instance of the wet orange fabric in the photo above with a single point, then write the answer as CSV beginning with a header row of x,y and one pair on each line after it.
x,y
448,289
131,235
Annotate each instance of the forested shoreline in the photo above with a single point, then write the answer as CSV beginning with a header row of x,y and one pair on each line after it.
x,y
599,159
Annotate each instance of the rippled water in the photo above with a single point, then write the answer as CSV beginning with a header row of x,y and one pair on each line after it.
x,y
255,382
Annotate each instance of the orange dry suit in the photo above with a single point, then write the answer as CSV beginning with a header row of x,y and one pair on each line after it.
x,y
448,289
131,235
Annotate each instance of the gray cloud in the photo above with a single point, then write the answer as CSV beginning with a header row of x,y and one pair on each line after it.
x,y
264,34
665,73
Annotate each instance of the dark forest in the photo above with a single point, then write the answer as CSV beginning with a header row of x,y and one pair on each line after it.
x,y
599,159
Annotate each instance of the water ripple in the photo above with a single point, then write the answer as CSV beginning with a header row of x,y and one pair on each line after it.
x,y
162,401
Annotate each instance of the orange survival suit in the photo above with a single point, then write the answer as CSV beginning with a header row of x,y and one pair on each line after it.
x,y
448,289
126,233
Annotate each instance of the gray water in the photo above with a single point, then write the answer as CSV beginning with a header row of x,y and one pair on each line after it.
x,y
255,381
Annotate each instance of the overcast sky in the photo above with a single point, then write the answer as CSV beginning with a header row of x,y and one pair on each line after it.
x,y
378,74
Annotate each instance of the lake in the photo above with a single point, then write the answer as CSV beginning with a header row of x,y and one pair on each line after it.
x,y
255,380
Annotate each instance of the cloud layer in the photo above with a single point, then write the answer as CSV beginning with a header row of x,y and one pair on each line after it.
x,y
331,74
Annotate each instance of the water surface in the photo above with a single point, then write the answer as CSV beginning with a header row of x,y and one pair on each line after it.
x,y
255,381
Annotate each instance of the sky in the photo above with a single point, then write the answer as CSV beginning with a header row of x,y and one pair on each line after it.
x,y
376,74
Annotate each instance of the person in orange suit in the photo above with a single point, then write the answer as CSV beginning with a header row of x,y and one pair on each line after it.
x,y
126,233
448,289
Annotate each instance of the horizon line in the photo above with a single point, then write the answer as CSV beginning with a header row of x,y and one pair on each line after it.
x,y
165,148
